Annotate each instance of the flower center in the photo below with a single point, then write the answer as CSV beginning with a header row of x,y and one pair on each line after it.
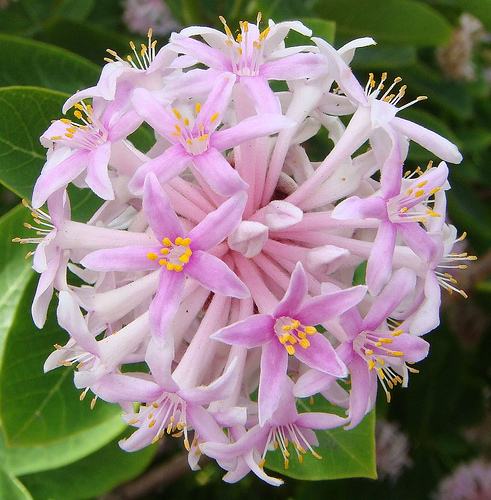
x,y
373,348
86,135
167,415
194,137
372,91
173,255
141,58
246,50
291,332
280,437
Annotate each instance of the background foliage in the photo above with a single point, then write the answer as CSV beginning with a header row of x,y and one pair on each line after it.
x,y
52,445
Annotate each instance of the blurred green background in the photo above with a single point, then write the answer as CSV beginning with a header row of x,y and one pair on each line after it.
x,y
442,49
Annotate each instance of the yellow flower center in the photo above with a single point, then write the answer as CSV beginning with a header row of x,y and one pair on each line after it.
x,y
174,255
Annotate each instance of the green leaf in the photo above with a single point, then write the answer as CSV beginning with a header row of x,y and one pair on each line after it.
x,y
344,453
27,460
29,111
38,408
15,270
478,8
87,40
44,65
395,21
91,476
11,488
384,57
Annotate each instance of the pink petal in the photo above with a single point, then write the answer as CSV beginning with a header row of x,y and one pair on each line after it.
x,y
217,101
70,318
363,391
161,217
154,113
166,166
321,356
58,176
379,266
317,420
159,356
402,283
295,294
217,225
218,173
294,67
414,348
419,240
250,332
311,382
44,291
274,363
132,258
209,56
361,208
330,305
124,126
262,95
250,128
97,175
119,388
430,140
215,275
166,302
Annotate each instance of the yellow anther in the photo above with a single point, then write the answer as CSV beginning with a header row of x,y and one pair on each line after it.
x,y
368,352
385,340
184,258
245,26
78,114
419,193
310,330
295,323
167,242
259,17
129,58
132,45
261,463
213,117
286,328
284,338
56,138
197,107
409,192
381,373
290,349
176,113
292,339
435,190
396,353
186,122
286,463
169,266
178,241
422,184
380,361
304,343
403,210
186,241
151,423
152,256
264,34
165,251
396,333
371,364
203,137
162,262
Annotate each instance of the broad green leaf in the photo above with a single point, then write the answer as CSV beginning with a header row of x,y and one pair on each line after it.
x,y
43,65
91,476
38,408
27,460
27,17
28,112
395,21
384,57
15,270
11,488
344,453
87,40
451,96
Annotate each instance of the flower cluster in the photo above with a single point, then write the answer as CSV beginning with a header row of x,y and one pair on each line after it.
x,y
219,269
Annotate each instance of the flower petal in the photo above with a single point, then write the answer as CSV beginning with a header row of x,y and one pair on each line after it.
x,y
274,362
97,175
217,225
166,166
379,266
295,294
294,67
218,173
321,356
262,95
363,391
215,275
132,258
249,128
161,217
318,420
250,332
330,305
166,302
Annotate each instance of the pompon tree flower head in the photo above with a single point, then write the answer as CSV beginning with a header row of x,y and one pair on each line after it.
x,y
222,260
